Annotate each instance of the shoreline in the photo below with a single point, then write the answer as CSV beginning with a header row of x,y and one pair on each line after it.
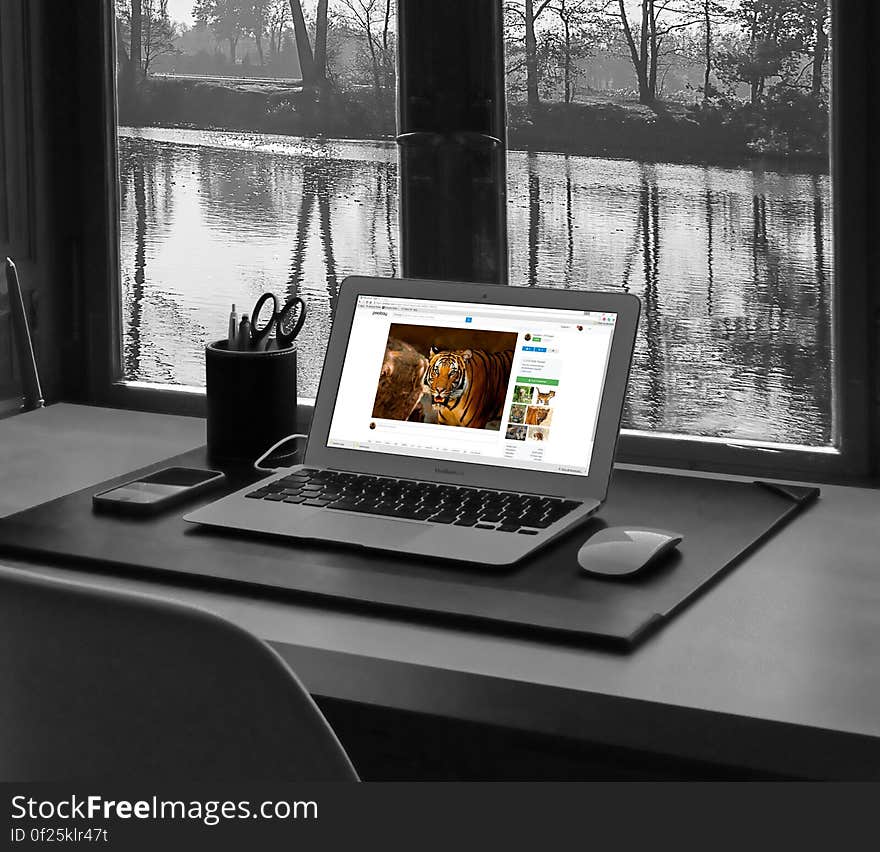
x,y
787,164
665,133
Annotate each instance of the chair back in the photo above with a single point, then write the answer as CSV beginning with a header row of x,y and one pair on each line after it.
x,y
101,683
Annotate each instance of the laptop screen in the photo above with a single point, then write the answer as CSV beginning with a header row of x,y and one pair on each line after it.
x,y
498,385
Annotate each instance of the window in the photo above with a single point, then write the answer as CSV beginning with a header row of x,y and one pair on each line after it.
x,y
235,178
696,176
683,156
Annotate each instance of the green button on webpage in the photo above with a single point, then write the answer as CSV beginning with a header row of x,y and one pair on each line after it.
x,y
531,380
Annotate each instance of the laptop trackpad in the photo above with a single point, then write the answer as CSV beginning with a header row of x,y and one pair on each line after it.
x,y
357,529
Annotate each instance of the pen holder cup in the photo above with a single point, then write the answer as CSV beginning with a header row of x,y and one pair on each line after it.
x,y
251,400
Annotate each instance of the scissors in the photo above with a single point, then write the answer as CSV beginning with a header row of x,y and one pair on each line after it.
x,y
288,321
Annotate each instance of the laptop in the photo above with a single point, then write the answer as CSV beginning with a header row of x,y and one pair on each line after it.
x,y
453,421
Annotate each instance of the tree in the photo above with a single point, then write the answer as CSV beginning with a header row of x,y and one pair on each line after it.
x,y
526,14
303,46
321,27
820,45
639,55
277,17
226,18
775,33
134,51
387,45
145,29
645,54
712,12
572,17
372,20
256,20
530,15
157,32
122,58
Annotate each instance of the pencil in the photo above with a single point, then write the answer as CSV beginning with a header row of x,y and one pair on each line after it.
x,y
233,329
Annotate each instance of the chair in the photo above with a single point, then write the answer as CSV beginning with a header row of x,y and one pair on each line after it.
x,y
102,683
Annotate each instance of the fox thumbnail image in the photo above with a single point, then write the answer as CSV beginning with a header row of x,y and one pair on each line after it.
x,y
447,376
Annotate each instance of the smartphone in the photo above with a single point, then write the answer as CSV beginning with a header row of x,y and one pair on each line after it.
x,y
157,491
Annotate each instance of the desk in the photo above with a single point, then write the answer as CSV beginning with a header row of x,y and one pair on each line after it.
x,y
776,669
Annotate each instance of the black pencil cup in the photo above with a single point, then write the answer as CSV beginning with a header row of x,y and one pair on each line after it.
x,y
251,400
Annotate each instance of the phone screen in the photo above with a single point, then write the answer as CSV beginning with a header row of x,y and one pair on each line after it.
x,y
184,476
159,486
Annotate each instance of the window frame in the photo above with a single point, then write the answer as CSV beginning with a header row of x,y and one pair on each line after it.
x,y
854,313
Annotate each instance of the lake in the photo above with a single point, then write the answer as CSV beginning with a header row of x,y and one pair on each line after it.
x,y
734,267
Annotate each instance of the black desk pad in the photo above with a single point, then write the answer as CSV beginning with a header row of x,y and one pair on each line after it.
x,y
721,522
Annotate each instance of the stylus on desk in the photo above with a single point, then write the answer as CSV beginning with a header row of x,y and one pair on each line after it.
x,y
30,377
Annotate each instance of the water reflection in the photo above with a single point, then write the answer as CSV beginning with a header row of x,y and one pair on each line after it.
x,y
132,351
233,221
732,265
534,218
653,366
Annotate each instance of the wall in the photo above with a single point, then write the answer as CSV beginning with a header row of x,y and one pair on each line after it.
x,y
28,211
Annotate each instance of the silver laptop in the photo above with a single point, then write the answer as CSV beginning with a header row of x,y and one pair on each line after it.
x,y
454,421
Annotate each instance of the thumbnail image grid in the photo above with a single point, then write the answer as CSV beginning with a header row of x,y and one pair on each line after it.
x,y
445,376
531,409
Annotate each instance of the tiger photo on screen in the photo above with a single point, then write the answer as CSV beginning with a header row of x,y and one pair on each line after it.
x,y
536,416
445,376
468,387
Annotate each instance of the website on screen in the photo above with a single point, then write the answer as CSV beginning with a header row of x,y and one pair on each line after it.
x,y
490,384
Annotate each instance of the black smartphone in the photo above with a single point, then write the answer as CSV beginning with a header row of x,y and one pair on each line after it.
x,y
157,491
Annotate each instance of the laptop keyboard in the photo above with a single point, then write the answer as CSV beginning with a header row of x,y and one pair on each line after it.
x,y
483,509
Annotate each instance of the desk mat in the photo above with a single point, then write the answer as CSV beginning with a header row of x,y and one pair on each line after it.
x,y
721,521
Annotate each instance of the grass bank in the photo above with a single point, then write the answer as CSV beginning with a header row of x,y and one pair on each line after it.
x,y
258,107
717,133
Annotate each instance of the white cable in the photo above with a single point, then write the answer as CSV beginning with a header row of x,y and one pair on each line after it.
x,y
271,450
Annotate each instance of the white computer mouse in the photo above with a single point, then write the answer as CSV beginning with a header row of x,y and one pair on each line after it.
x,y
624,551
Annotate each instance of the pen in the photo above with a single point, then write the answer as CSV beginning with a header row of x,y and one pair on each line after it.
x,y
244,334
233,329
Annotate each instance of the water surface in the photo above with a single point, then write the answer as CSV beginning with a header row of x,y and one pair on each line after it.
x,y
733,266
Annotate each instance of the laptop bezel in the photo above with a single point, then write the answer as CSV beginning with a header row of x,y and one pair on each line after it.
x,y
594,485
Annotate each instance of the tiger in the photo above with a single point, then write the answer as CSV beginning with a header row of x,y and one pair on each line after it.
x,y
544,398
468,386
536,416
